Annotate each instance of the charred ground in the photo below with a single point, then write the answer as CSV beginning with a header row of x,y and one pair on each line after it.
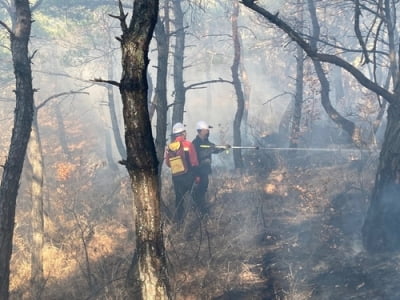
x,y
288,228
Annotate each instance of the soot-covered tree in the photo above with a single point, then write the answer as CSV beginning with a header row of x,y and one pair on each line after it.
x,y
148,276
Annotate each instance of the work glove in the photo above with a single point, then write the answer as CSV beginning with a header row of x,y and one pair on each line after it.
x,y
197,180
225,148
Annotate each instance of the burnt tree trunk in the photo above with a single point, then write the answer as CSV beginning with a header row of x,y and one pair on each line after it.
x,y
348,126
237,139
148,278
381,226
19,36
179,52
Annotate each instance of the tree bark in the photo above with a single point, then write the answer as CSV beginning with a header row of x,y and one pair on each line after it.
x,y
19,37
35,156
113,114
179,52
160,95
298,98
380,233
348,126
149,278
237,139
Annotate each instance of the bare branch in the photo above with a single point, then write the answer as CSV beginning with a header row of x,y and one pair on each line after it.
x,y
276,97
6,27
357,14
122,17
198,84
59,95
113,82
36,5
314,54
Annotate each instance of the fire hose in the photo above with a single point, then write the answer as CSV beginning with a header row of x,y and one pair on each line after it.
x,y
290,149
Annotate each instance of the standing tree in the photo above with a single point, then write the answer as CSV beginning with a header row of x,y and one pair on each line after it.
x,y
149,278
19,38
237,84
379,234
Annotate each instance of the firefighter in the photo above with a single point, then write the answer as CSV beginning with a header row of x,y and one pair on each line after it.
x,y
204,150
181,158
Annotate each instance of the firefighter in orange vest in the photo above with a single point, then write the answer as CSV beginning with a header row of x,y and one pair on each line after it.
x,y
181,157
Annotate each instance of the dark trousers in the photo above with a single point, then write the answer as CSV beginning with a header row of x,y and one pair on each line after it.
x,y
182,184
199,193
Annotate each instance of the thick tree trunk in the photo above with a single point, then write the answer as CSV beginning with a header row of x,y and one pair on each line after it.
x,y
381,226
237,139
19,139
179,52
149,278
35,157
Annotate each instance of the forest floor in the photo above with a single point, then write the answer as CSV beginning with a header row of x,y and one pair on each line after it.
x,y
290,231
287,228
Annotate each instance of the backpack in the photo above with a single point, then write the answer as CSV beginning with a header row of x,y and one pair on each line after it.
x,y
177,158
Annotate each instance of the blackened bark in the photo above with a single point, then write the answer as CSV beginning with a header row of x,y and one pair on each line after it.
x,y
19,139
179,52
381,226
149,278
348,126
237,139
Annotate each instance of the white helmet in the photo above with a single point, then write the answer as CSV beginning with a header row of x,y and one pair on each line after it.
x,y
178,128
202,125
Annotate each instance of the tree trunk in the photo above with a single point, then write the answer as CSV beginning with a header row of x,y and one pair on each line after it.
x,y
298,99
160,95
381,226
237,139
246,94
149,278
19,139
113,115
61,131
35,156
345,124
179,52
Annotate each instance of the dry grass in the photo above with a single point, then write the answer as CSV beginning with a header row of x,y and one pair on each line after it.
x,y
262,238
